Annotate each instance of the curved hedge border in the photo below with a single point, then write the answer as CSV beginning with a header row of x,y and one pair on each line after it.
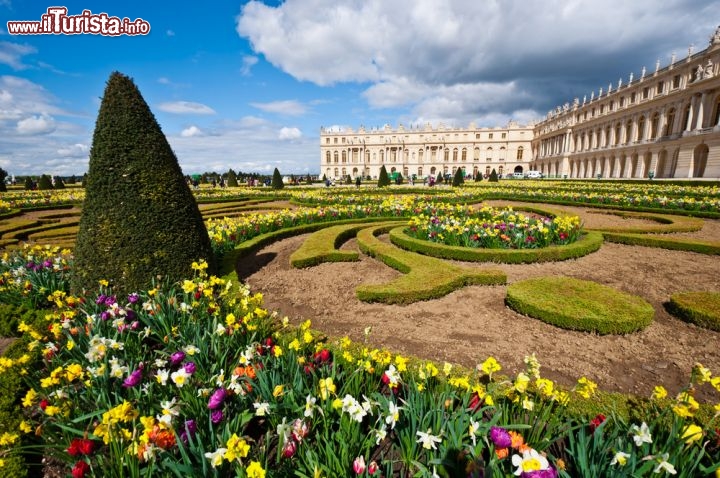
x,y
699,308
668,223
425,277
322,246
676,244
229,258
576,304
590,242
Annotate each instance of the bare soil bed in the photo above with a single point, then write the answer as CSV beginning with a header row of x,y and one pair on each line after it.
x,y
473,323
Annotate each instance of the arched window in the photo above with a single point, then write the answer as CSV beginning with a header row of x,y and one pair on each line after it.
x,y
520,153
618,131
419,173
463,156
686,117
502,153
367,156
500,170
607,137
669,125
327,156
476,154
335,157
420,154
344,157
654,123
641,128
382,156
336,172
447,154
455,154
628,132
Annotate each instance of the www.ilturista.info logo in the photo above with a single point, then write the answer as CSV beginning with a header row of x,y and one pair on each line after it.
x,y
57,22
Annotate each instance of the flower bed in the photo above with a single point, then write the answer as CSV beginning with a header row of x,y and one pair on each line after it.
x,y
198,379
491,228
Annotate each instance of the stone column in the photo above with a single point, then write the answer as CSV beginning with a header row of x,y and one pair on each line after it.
x,y
700,111
688,125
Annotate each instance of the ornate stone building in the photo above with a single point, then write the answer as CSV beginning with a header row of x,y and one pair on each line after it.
x,y
423,152
665,123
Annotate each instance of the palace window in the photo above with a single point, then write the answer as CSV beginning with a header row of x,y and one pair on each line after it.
x,y
654,122
490,136
632,98
676,82
447,154
641,128
476,154
455,154
327,140
503,135
343,141
463,156
646,92
327,157
477,135
344,156
335,157
622,101
335,140
520,153
660,87
668,129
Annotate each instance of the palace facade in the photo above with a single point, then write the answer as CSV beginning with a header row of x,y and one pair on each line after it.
x,y
424,151
665,124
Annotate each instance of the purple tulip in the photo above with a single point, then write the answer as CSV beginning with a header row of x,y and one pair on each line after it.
x,y
29,265
177,357
217,399
500,437
105,315
110,300
134,379
48,263
190,367
100,299
133,298
216,416
135,325
189,432
548,473
130,314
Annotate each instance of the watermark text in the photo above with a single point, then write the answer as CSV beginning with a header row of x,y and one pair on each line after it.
x,y
57,22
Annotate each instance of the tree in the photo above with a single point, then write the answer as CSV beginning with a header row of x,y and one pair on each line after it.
x,y
383,179
309,180
459,178
277,182
478,177
29,184
139,220
399,178
232,179
44,184
72,179
440,178
348,179
3,176
493,176
357,181
59,184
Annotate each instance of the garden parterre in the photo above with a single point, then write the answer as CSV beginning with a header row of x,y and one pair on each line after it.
x,y
197,378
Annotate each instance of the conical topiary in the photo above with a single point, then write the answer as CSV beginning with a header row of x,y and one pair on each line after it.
x,y
478,177
59,183
232,181
3,175
459,178
383,178
29,184
139,220
277,182
44,183
493,176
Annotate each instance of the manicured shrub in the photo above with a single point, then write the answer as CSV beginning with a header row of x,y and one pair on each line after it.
x,y
576,304
45,183
357,181
677,244
59,184
277,182
232,181
699,308
140,219
3,176
459,178
493,176
478,177
29,184
383,179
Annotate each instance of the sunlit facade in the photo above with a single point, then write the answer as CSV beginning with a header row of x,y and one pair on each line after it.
x,y
424,151
665,124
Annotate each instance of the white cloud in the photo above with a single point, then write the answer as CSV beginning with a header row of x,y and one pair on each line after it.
x,y
248,62
191,131
163,80
77,150
287,107
289,133
186,107
471,60
11,54
34,125
170,33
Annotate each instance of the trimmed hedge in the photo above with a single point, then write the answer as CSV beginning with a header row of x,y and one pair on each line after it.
x,y
590,242
576,304
322,246
699,308
53,233
24,234
676,244
668,224
425,277
17,225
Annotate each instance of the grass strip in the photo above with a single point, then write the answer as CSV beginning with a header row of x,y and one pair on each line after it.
x,y
699,308
588,243
424,277
666,223
322,246
576,304
676,244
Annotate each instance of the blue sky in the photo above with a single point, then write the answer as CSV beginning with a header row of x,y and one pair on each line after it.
x,y
247,85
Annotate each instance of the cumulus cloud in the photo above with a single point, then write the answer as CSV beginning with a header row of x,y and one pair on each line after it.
x,y
77,150
191,131
287,107
186,107
34,125
475,58
11,54
289,133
